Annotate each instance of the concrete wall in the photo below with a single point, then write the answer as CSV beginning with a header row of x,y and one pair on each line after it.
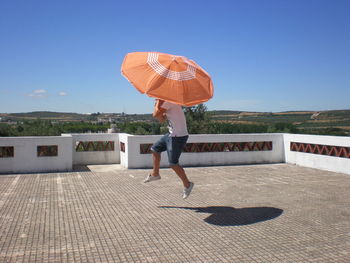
x,y
132,158
126,154
25,158
95,157
330,163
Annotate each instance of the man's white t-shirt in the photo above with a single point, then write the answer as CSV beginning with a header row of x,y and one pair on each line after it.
x,y
176,118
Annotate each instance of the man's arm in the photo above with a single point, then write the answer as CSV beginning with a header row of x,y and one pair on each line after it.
x,y
159,112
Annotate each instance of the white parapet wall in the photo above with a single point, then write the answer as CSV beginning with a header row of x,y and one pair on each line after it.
x,y
60,153
322,152
125,153
131,156
36,154
95,148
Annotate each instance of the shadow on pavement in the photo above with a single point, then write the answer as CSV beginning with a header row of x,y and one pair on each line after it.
x,y
81,168
230,216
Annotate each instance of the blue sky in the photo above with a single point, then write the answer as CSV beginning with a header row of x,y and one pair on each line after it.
x,y
263,55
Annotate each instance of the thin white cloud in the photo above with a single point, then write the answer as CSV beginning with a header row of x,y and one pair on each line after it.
x,y
62,93
38,93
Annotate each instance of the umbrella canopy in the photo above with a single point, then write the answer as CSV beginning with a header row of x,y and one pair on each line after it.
x,y
168,77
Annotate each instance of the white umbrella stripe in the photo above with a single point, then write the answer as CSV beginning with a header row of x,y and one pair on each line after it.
x,y
153,62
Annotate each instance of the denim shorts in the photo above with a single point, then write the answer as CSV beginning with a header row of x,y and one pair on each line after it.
x,y
173,146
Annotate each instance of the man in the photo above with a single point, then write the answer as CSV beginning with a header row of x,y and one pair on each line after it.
x,y
172,142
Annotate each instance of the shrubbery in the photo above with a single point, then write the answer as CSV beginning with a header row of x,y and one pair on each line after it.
x,y
199,121
46,128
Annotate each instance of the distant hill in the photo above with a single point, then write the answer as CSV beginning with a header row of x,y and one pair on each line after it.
x,y
333,118
224,112
335,122
45,114
72,117
303,120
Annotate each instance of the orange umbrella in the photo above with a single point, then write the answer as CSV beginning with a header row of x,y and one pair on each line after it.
x,y
168,77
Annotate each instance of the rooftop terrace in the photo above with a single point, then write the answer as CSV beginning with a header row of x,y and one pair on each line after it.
x,y
243,213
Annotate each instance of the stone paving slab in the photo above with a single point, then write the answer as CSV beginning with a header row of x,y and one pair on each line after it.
x,y
255,213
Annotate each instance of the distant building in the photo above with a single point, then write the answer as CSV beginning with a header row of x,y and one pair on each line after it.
x,y
113,129
102,120
315,115
9,122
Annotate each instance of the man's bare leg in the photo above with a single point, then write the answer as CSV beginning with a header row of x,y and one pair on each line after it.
x,y
156,163
181,173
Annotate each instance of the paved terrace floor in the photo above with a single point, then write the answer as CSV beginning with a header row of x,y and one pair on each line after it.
x,y
257,213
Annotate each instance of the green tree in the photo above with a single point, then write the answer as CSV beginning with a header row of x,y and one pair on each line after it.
x,y
284,127
6,131
198,119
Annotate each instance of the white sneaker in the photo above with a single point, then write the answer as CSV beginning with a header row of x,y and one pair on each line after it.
x,y
187,191
151,178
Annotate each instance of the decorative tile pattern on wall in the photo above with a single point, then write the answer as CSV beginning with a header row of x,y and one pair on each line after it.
x,y
7,151
329,150
122,147
94,146
47,150
218,147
